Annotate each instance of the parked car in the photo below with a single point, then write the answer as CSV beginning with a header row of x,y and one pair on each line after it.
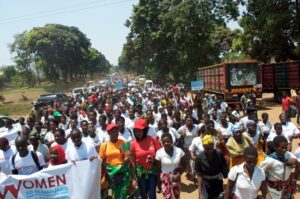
x,y
105,82
78,91
92,88
51,98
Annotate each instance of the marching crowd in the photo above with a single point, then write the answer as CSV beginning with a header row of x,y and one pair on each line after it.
x,y
147,139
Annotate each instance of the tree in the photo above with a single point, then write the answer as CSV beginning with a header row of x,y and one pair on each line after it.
x,y
173,38
96,62
271,29
62,49
23,57
223,38
58,51
9,72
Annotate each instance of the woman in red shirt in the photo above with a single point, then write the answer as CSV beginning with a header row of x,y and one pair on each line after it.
x,y
143,150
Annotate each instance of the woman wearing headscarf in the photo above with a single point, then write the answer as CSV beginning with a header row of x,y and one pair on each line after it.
x,y
211,167
143,150
115,162
57,156
236,145
171,165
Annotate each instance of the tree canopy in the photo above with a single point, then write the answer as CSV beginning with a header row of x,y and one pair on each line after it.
x,y
59,51
172,38
271,29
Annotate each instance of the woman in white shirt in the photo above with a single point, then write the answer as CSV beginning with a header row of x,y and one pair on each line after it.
x,y
246,180
170,167
188,131
279,167
165,129
225,127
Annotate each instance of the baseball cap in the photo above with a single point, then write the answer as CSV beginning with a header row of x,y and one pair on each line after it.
x,y
108,108
110,127
140,124
57,114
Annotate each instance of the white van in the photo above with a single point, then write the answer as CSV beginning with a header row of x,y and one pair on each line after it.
x,y
148,85
78,91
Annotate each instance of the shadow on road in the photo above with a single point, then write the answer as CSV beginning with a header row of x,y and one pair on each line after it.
x,y
188,188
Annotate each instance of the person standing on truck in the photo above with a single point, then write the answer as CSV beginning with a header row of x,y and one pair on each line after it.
x,y
286,102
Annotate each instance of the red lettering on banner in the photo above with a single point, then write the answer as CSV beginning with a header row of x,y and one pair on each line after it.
x,y
41,184
12,189
51,182
61,179
44,183
28,184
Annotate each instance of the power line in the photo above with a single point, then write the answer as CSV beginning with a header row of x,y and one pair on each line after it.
x,y
60,11
53,10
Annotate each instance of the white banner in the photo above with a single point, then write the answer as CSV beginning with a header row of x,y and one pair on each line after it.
x,y
80,180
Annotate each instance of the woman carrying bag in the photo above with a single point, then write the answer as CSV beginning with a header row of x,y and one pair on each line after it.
x,y
115,163
246,180
143,150
211,167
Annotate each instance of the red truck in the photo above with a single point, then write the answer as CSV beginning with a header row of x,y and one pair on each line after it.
x,y
232,79
278,77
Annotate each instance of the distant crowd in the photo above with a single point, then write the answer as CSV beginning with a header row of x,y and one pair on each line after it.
x,y
148,139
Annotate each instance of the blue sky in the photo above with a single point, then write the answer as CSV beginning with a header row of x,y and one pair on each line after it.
x,y
101,20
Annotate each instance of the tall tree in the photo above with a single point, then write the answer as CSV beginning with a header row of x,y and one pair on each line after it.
x,y
96,62
61,48
172,38
22,56
271,29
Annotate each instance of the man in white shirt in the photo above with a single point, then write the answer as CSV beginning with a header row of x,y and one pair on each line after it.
x,y
36,145
11,131
25,162
288,127
80,150
6,152
277,130
265,125
73,125
101,131
60,139
124,133
129,122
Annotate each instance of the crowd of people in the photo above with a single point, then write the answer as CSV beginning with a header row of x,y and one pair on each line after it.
x,y
148,139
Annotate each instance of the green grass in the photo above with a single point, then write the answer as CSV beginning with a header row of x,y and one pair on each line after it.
x,y
15,110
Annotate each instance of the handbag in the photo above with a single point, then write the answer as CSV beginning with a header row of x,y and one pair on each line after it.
x,y
292,111
179,142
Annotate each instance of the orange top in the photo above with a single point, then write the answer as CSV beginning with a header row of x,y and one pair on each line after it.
x,y
111,153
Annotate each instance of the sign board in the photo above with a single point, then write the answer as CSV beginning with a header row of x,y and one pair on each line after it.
x,y
119,86
197,85
76,181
